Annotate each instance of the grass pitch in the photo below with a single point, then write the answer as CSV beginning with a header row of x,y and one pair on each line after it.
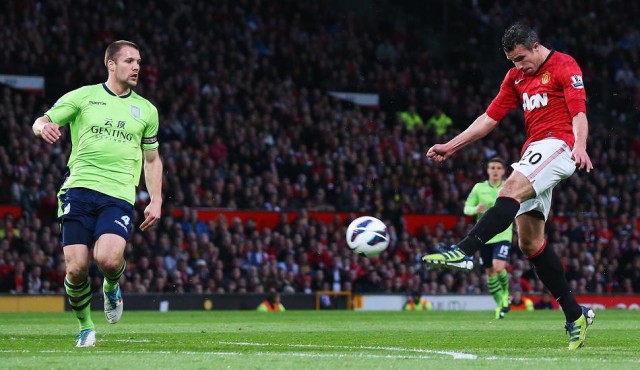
x,y
319,340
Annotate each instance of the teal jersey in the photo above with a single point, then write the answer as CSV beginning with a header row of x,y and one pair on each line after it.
x,y
108,135
485,193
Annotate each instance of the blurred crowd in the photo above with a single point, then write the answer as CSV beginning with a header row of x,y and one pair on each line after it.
x,y
246,123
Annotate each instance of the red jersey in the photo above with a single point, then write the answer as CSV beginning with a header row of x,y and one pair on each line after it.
x,y
550,98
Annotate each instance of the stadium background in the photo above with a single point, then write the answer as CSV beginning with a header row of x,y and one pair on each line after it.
x,y
248,126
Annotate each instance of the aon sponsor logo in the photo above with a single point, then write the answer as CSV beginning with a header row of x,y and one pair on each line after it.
x,y
533,102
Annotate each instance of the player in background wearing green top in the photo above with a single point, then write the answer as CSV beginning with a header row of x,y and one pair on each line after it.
x,y
112,129
495,252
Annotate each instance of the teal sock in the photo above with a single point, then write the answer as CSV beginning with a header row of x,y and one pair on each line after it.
x,y
110,282
494,288
80,301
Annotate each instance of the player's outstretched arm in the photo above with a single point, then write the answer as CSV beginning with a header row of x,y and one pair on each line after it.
x,y
47,130
477,130
153,180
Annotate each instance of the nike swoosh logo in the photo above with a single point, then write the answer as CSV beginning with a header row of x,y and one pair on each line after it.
x,y
518,81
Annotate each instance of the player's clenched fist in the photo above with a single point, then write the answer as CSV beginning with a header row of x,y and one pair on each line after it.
x,y
48,131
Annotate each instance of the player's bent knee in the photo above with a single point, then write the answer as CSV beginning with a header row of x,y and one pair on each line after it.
x,y
517,187
109,253
530,247
110,264
76,275
109,261
76,259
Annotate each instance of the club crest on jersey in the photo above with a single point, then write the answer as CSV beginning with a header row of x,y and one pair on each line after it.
x,y
546,77
576,82
135,111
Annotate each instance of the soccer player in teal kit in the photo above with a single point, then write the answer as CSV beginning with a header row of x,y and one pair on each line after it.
x,y
113,133
495,251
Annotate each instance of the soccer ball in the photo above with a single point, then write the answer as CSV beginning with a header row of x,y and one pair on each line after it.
x,y
367,236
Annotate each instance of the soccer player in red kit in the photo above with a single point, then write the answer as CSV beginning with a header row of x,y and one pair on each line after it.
x,y
548,85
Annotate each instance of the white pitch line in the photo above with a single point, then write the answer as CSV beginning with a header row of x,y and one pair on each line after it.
x,y
455,355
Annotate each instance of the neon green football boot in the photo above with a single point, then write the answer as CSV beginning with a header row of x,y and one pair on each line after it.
x,y
453,258
577,330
